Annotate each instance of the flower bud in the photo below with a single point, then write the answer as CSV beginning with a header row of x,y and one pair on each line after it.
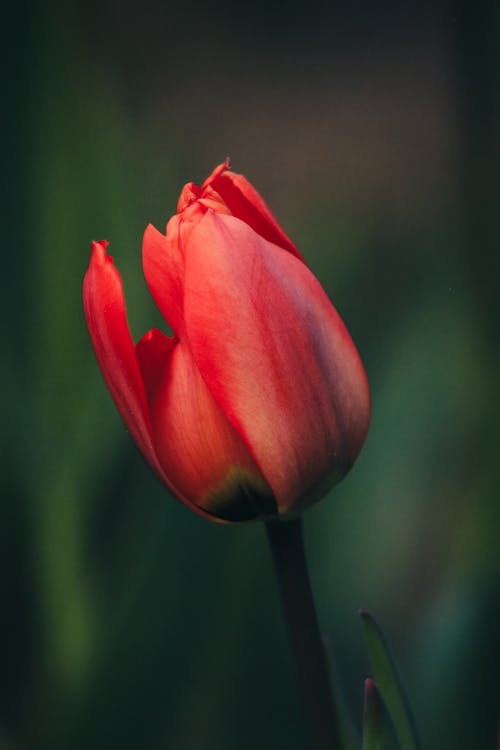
x,y
259,403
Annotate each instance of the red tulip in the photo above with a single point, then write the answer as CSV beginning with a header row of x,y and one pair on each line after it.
x,y
259,402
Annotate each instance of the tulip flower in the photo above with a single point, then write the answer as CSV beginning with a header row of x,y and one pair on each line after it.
x,y
259,402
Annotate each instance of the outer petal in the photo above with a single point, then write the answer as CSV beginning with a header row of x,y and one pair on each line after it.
x,y
154,352
246,204
106,316
200,452
276,357
163,265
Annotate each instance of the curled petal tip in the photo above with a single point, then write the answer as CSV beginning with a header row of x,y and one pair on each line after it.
x,y
98,249
102,243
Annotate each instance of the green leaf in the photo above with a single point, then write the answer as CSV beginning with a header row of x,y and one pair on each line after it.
x,y
373,729
389,683
349,735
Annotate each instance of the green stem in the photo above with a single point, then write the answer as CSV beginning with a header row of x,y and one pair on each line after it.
x,y
287,546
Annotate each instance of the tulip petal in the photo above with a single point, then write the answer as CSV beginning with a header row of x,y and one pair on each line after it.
x,y
200,452
163,266
152,353
245,203
276,357
105,311
106,315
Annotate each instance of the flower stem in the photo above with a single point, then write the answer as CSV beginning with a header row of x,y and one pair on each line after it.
x,y
287,546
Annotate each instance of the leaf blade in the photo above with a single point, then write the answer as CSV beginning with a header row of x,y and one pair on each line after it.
x,y
372,717
389,683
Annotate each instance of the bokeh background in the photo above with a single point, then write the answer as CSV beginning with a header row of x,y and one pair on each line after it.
x,y
373,132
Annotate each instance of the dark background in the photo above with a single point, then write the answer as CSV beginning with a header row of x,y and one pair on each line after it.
x,y
373,131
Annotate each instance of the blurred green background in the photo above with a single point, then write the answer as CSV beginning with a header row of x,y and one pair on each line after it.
x,y
373,133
